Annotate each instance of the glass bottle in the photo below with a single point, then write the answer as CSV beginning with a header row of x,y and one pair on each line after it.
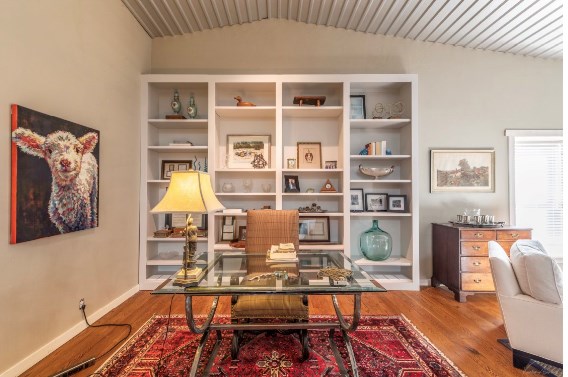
x,y
192,108
375,243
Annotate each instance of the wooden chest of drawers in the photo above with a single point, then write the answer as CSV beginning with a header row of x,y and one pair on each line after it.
x,y
460,256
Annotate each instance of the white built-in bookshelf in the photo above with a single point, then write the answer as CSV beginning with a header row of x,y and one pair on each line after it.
x,y
287,124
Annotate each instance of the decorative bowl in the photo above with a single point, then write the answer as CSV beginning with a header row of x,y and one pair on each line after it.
x,y
376,172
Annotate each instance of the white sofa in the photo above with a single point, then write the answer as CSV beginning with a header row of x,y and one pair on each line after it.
x,y
534,327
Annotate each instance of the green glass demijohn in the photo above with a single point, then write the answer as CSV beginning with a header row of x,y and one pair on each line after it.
x,y
375,243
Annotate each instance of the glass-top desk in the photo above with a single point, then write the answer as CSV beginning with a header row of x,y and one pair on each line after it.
x,y
228,274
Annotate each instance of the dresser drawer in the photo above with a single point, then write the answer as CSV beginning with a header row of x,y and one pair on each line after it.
x,y
478,235
471,281
473,248
513,235
475,264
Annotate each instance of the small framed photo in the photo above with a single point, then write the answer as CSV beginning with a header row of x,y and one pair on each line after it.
x,y
243,150
242,233
309,155
376,202
356,200
330,165
314,229
358,107
462,170
169,166
291,183
291,163
228,229
397,203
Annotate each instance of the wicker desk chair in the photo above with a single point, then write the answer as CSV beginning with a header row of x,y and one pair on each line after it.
x,y
266,228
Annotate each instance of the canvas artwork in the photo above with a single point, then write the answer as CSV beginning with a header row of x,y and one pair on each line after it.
x,y
55,176
462,170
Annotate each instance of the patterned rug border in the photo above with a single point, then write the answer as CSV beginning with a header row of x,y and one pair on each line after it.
x,y
147,324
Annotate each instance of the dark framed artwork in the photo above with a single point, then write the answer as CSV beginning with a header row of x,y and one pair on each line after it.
x,y
376,202
356,200
61,193
314,229
169,166
242,233
358,107
291,183
462,170
397,203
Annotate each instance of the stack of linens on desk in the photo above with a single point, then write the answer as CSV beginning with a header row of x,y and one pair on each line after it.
x,y
282,252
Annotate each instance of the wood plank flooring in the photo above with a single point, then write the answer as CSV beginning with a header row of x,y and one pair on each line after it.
x,y
466,333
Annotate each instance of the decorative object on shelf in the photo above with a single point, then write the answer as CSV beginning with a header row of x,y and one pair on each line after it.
x,y
498,224
378,111
363,152
291,163
310,190
390,111
247,185
176,107
309,100
266,187
376,202
169,166
238,244
205,168
388,152
259,162
186,143
178,232
328,187
309,155
375,243
376,172
356,200
162,233
242,233
228,187
228,230
189,191
330,165
291,183
240,102
62,194
314,229
192,108
462,170
358,107
243,149
335,274
314,208
397,203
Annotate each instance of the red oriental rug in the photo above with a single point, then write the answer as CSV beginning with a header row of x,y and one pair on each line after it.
x,y
383,346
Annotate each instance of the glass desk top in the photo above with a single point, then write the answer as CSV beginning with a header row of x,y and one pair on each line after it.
x,y
236,272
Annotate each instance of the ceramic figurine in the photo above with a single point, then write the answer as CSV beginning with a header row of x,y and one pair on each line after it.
x,y
192,108
176,104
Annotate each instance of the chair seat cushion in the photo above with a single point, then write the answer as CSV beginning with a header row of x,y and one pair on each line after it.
x,y
269,306
539,275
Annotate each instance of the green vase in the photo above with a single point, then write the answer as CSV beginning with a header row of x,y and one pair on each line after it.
x,y
375,243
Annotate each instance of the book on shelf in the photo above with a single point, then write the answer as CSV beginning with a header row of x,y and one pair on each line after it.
x,y
376,148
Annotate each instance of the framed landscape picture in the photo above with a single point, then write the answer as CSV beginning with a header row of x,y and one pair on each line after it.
x,y
243,150
462,170
314,229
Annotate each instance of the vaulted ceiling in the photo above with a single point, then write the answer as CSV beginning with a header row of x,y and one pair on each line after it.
x,y
522,27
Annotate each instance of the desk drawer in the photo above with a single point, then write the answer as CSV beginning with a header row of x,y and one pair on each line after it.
x,y
513,235
475,264
478,235
471,281
472,248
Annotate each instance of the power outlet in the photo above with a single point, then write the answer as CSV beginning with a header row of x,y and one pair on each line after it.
x,y
82,304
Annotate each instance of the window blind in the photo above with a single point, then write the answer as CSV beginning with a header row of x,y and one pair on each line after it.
x,y
537,186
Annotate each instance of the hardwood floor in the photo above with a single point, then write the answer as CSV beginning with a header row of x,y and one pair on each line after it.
x,y
466,333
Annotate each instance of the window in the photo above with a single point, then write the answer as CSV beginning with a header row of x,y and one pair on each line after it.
x,y
536,183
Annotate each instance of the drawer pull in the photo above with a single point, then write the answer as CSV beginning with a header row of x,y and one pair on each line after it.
x,y
478,235
476,248
477,281
477,263
515,235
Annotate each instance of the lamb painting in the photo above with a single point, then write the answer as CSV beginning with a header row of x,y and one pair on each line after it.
x,y
55,176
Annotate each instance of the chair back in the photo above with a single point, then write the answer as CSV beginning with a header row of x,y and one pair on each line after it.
x,y
270,227
504,277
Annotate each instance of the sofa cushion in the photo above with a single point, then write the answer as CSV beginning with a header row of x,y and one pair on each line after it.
x,y
539,275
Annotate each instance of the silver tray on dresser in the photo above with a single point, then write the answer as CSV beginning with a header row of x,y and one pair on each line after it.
x,y
474,225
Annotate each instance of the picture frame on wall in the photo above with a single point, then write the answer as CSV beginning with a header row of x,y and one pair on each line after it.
x,y
169,166
356,200
397,203
314,229
376,202
243,150
309,155
462,170
357,106
291,183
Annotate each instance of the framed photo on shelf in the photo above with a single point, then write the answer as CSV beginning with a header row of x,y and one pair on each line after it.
x,y
291,183
358,107
228,228
169,166
291,163
309,155
243,150
397,203
242,233
376,202
356,200
330,165
462,170
314,229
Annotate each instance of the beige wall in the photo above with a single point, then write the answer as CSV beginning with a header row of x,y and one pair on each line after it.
x,y
79,60
467,98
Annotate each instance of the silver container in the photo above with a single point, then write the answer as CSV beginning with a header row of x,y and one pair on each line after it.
x,y
460,218
477,219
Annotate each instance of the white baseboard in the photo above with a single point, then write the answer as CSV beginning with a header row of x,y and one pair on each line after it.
x,y
42,352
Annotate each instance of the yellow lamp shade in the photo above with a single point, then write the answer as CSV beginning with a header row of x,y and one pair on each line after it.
x,y
189,191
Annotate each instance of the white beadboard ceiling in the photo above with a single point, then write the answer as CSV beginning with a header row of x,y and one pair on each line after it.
x,y
521,27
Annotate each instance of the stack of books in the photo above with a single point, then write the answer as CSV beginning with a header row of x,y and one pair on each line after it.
x,y
284,252
376,148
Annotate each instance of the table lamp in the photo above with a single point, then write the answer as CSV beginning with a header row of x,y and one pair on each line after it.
x,y
189,191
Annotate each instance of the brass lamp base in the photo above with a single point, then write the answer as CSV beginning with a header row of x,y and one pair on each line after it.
x,y
191,279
